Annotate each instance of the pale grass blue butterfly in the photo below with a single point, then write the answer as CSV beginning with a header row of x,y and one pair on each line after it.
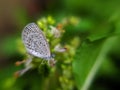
x,y
35,41
36,45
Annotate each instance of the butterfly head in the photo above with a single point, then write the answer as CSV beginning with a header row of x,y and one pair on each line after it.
x,y
51,61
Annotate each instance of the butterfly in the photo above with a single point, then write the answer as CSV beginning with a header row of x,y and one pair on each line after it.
x,y
36,45
35,42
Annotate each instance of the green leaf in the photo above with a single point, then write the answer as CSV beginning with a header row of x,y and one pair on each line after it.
x,y
88,60
100,31
100,8
9,46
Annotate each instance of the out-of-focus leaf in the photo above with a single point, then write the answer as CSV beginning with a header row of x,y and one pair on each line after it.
x,y
9,45
108,68
7,79
103,9
88,60
100,31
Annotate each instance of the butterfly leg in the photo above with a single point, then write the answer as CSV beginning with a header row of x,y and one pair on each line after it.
x,y
43,62
28,61
28,66
18,63
21,72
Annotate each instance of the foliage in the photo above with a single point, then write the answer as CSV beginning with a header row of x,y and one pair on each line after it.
x,y
91,36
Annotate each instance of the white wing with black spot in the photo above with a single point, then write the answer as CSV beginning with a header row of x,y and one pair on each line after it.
x,y
35,41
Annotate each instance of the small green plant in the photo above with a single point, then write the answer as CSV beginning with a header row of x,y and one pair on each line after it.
x,y
63,52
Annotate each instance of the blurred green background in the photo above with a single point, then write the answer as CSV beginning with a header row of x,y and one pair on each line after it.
x,y
96,63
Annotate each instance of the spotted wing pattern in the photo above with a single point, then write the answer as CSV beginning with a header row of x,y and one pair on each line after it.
x,y
35,41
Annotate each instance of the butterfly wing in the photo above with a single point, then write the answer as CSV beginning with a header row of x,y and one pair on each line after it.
x,y
35,41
